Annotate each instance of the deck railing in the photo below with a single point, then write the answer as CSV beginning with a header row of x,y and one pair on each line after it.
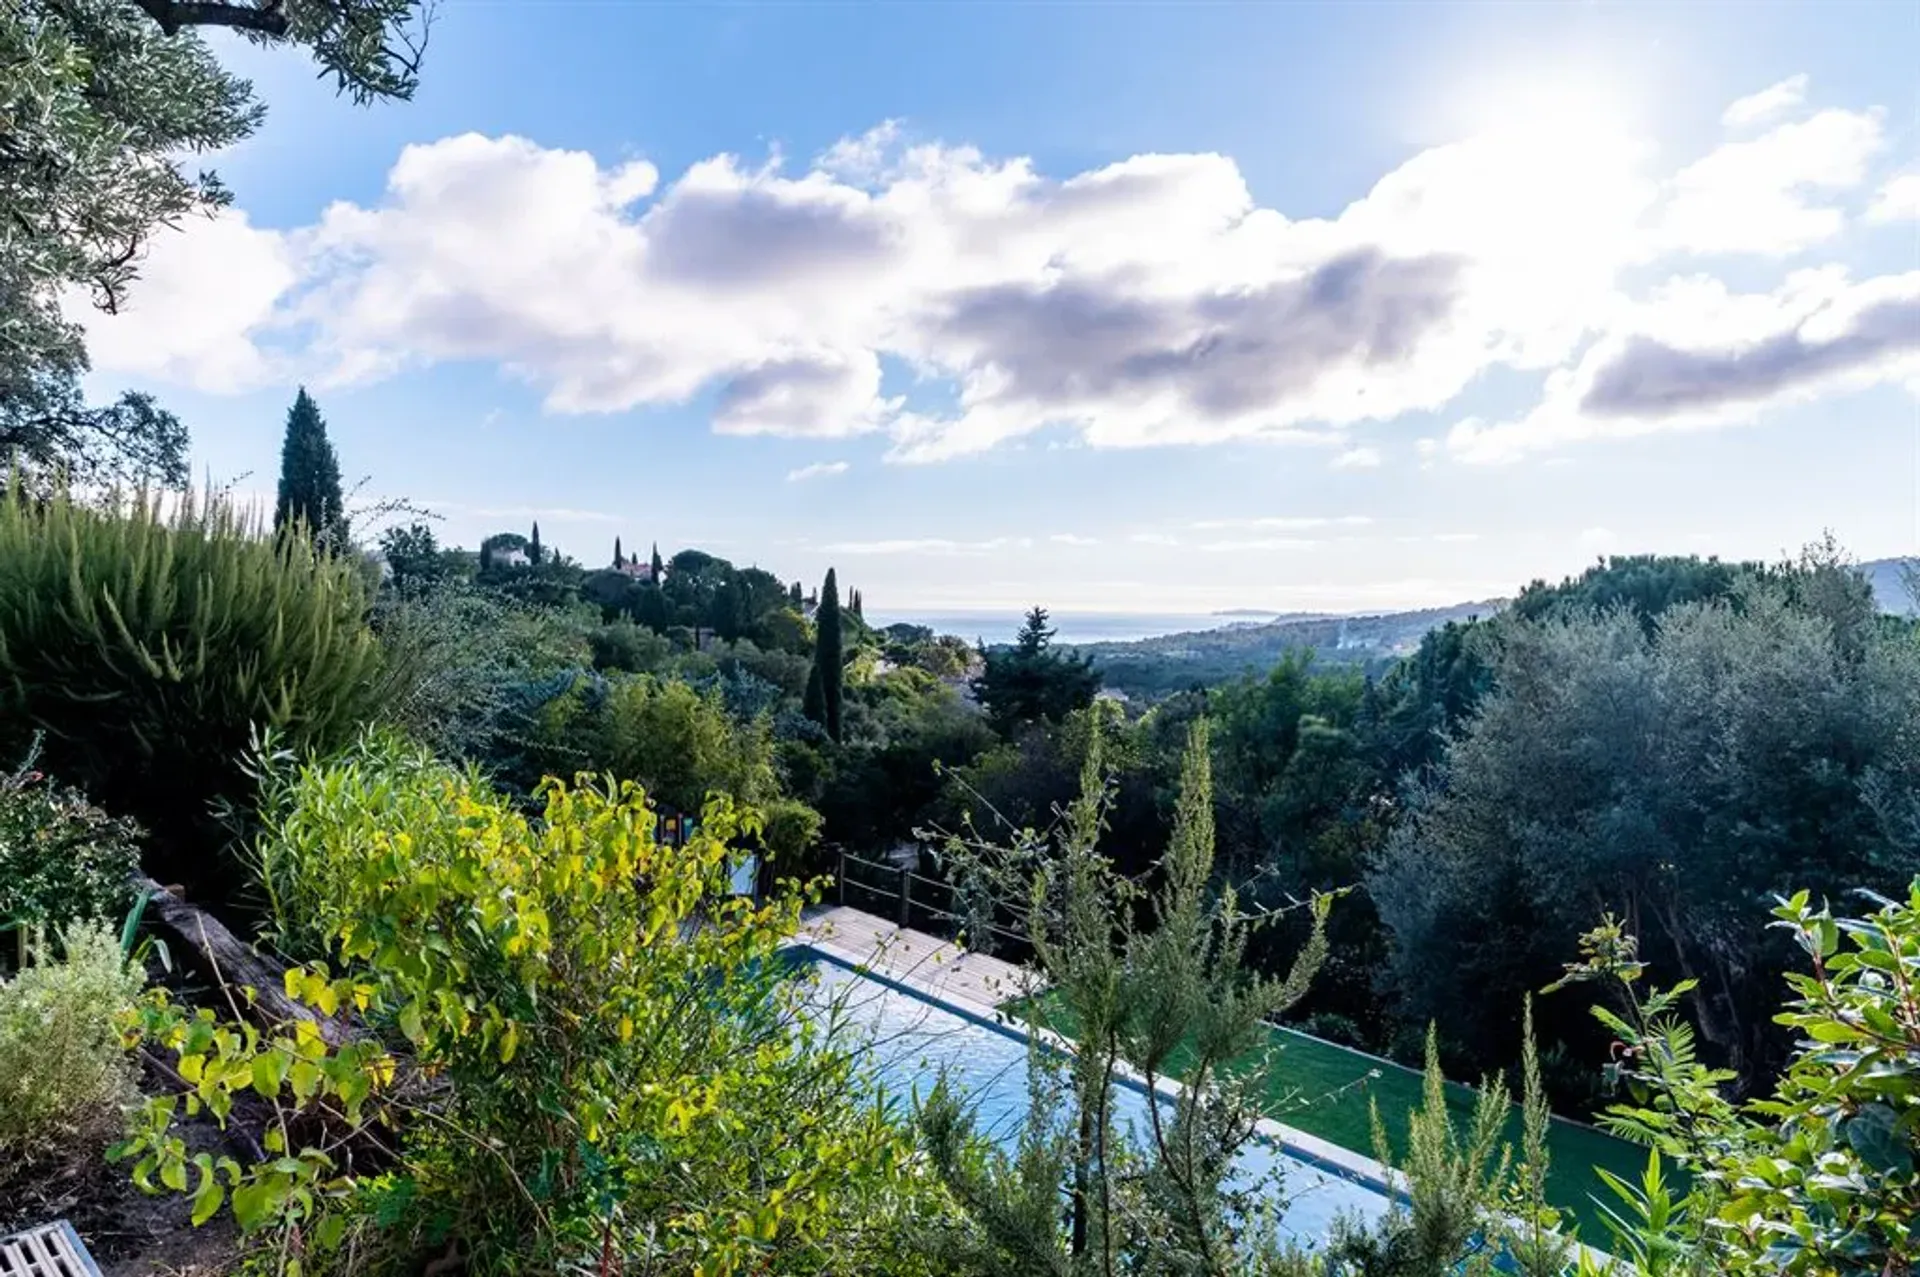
x,y
911,899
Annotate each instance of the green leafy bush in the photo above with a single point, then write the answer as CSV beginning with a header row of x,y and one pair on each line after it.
x,y
1822,1175
150,645
64,1074
61,858
566,1073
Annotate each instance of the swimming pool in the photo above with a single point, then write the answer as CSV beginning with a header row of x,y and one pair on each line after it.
x,y
913,1039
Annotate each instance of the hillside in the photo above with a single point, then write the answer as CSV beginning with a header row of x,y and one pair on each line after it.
x,y
1891,588
1157,666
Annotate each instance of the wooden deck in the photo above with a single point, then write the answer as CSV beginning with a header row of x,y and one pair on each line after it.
x,y
922,962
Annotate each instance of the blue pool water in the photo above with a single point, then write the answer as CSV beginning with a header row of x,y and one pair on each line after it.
x,y
914,1039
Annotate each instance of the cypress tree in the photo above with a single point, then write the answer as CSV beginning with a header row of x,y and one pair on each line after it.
x,y
619,560
533,546
659,569
309,475
827,655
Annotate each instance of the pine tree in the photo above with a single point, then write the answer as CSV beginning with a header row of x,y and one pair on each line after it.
x,y
619,560
827,656
533,546
309,476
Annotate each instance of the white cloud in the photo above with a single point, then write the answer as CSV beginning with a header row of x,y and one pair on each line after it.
x,y
929,546
1597,540
1150,301
1757,196
205,298
1153,538
1698,355
1284,523
1898,200
1260,543
1069,538
818,470
1769,102
559,513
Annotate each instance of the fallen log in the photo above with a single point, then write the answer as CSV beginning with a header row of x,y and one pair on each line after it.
x,y
222,958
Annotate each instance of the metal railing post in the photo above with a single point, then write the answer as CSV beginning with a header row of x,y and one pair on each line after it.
x,y
906,895
840,877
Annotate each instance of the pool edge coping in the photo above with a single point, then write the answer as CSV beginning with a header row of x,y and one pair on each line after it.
x,y
1315,1151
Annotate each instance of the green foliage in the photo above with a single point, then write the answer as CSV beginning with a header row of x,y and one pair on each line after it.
x,y
1136,997
629,648
681,744
62,859
64,1074
826,700
1030,682
107,100
417,561
151,647
1452,1180
1820,1176
309,495
576,1075
1674,776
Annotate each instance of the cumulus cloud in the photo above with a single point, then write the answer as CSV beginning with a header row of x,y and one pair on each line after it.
x,y
1763,196
205,302
818,470
1769,102
1149,301
1069,538
1898,200
1698,355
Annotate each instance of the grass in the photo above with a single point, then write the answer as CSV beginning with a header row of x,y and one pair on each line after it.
x,y
1324,1089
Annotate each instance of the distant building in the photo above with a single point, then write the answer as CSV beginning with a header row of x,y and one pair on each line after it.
x,y
509,557
636,569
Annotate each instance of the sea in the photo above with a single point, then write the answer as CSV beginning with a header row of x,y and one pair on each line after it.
x,y
992,627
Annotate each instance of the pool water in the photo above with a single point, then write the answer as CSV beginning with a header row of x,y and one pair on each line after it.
x,y
913,1040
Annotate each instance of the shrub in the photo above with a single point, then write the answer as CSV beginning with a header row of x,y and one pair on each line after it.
x,y
61,858
1822,1175
63,1072
581,1079
150,645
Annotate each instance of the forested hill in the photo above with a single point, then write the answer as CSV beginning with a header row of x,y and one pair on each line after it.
x,y
1892,588
1154,667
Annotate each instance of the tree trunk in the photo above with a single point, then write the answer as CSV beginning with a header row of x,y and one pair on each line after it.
x,y
203,942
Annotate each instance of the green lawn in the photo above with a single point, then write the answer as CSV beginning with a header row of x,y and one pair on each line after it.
x,y
1323,1089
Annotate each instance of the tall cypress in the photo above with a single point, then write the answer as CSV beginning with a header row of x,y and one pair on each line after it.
x,y
659,569
309,475
827,655
533,545
619,560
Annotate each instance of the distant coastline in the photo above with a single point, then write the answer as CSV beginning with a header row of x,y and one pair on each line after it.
x,y
995,626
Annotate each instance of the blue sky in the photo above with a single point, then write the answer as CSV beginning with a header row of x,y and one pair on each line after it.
x,y
1158,308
